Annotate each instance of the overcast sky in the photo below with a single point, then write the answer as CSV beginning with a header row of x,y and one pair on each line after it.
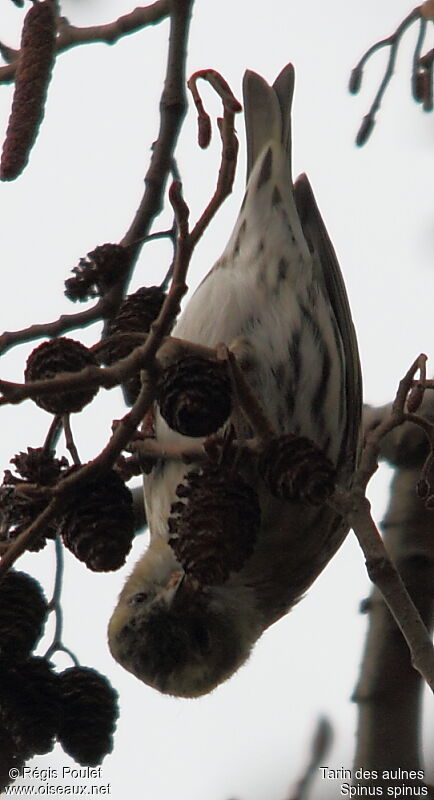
x,y
248,738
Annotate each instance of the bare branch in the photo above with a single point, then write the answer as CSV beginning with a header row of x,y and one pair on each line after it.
x,y
375,434
55,605
355,507
228,163
320,747
389,689
172,107
107,377
356,510
65,322
393,42
109,33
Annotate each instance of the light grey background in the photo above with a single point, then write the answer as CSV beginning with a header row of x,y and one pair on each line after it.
x,y
249,738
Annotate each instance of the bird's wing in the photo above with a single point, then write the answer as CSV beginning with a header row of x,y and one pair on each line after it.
x,y
328,273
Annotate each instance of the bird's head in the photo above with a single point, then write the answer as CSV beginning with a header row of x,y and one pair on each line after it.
x,y
177,636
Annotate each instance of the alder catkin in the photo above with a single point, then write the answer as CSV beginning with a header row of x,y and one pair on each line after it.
x,y
33,73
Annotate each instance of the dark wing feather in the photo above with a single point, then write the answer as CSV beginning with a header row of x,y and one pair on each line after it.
x,y
330,276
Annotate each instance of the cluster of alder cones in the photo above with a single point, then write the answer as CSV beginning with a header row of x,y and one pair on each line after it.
x,y
213,525
37,705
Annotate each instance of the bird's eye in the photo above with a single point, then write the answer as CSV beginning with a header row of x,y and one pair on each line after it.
x,y
139,598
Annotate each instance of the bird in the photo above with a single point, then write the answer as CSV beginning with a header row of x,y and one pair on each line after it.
x,y
276,297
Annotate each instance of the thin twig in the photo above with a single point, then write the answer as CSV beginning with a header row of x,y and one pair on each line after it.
x,y
417,391
56,606
66,322
248,402
356,510
109,33
371,451
392,42
168,348
105,460
389,690
355,507
173,105
69,439
320,747
147,449
53,434
416,59
226,125
29,535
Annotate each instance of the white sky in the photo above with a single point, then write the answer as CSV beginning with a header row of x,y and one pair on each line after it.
x,y
248,739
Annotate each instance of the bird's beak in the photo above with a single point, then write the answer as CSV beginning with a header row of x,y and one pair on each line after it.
x,y
174,583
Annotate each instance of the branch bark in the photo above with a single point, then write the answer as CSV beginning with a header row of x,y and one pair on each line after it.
x,y
109,33
389,690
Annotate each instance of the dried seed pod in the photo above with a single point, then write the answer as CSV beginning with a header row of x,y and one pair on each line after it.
x,y
137,311
97,524
52,358
126,330
39,465
19,508
87,695
294,468
18,511
194,395
103,267
33,74
213,532
23,610
30,705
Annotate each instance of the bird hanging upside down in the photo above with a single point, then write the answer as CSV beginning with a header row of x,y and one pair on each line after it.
x,y
276,293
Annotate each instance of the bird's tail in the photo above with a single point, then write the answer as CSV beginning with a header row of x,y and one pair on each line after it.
x,y
267,113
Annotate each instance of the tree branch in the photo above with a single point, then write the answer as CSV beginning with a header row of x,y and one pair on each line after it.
x,y
70,36
173,106
389,690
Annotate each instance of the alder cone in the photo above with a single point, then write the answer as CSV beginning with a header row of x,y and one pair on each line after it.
x,y
19,509
126,330
89,713
39,465
29,705
96,274
52,358
97,524
33,74
294,468
23,610
213,532
194,395
137,311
